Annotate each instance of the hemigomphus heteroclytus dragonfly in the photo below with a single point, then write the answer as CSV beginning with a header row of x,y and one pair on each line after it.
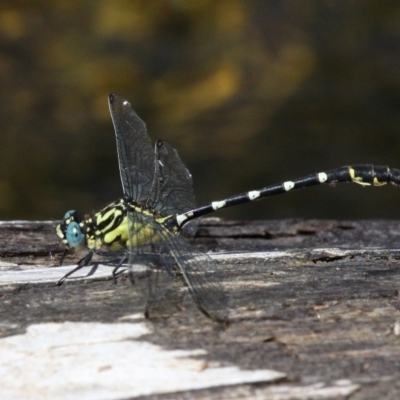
x,y
159,202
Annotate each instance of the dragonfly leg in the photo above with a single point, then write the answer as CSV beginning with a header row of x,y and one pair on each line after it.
x,y
115,275
82,263
63,256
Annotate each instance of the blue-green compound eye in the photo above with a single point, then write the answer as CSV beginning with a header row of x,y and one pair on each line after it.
x,y
74,235
68,214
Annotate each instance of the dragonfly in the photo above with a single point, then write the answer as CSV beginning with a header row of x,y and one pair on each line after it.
x,y
156,186
158,204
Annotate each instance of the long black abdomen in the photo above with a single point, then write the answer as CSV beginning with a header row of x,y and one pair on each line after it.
x,y
363,174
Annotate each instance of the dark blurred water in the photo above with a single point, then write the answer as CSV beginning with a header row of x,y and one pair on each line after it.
x,y
249,92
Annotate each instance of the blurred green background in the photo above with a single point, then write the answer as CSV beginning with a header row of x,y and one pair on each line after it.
x,y
250,93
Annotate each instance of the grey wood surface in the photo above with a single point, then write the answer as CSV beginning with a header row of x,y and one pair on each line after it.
x,y
317,301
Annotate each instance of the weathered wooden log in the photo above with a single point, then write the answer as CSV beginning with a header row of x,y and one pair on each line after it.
x,y
314,312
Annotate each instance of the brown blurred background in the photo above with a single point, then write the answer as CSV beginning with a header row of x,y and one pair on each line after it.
x,y
249,92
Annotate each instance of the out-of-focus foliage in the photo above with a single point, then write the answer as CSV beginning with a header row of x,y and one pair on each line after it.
x,y
249,92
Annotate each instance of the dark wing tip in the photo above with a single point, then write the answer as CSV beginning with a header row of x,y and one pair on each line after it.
x,y
116,100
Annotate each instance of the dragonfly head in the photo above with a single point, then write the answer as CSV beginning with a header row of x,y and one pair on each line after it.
x,y
70,230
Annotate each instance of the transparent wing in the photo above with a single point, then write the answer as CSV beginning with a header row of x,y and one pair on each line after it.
x,y
158,252
165,294
172,190
150,266
202,277
135,153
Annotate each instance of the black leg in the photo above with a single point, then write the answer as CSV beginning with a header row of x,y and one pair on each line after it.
x,y
63,256
115,275
82,263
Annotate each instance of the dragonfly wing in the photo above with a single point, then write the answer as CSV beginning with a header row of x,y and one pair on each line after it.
x,y
201,275
166,294
161,252
172,191
151,266
135,153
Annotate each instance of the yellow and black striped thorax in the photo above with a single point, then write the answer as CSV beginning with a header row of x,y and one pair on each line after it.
x,y
119,225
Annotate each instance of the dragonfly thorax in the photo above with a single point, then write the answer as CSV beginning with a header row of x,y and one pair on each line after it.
x,y
119,225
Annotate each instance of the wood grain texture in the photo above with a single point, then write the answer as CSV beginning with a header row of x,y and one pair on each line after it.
x,y
315,300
